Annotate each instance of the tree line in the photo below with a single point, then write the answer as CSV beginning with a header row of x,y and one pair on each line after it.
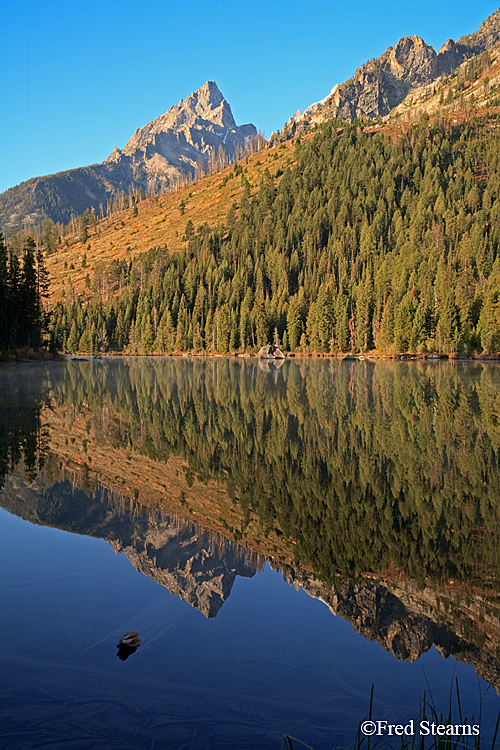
x,y
23,287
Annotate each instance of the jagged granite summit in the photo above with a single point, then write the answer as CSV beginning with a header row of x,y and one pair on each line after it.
x,y
381,84
189,135
196,128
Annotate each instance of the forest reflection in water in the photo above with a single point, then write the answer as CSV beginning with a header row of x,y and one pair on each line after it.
x,y
375,487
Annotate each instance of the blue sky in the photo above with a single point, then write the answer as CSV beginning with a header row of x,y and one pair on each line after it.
x,y
76,79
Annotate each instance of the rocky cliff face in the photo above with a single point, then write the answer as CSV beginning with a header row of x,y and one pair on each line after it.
x,y
380,85
190,134
194,131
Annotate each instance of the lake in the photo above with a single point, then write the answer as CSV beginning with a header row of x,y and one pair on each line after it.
x,y
280,537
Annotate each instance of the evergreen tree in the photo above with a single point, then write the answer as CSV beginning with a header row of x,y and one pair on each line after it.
x,y
29,297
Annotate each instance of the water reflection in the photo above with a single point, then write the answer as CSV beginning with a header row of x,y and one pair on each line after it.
x,y
374,487
195,564
362,467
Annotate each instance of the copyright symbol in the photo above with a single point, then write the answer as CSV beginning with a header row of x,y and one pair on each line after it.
x,y
368,727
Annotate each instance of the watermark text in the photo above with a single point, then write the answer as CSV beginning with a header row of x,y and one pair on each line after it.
x,y
425,728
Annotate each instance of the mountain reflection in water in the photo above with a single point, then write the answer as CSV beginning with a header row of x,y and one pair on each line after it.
x,y
373,487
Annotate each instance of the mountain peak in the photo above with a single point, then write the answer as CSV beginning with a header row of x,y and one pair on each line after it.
x,y
205,107
195,135
208,96
209,104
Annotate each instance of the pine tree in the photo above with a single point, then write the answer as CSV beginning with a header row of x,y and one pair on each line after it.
x,y
385,338
260,321
73,339
29,297
294,323
147,337
403,324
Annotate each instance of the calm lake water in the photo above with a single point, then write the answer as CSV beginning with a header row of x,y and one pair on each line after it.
x,y
281,538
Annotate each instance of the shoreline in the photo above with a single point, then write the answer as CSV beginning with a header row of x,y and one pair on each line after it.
x,y
373,355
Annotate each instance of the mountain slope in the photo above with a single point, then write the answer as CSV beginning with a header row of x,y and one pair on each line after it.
x,y
197,134
383,83
358,243
160,220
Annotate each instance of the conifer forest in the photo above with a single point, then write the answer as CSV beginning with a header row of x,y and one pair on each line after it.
x,y
368,241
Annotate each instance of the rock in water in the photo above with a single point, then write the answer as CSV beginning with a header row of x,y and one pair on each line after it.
x,y
130,639
265,352
128,644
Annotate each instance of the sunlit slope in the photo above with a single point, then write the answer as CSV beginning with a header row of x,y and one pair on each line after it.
x,y
160,220
472,88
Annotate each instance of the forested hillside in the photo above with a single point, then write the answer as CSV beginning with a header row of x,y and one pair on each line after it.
x,y
366,241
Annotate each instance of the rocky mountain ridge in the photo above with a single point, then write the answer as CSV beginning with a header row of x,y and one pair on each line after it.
x,y
197,134
200,133
381,84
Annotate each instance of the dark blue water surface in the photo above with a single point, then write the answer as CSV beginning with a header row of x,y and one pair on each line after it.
x,y
273,662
